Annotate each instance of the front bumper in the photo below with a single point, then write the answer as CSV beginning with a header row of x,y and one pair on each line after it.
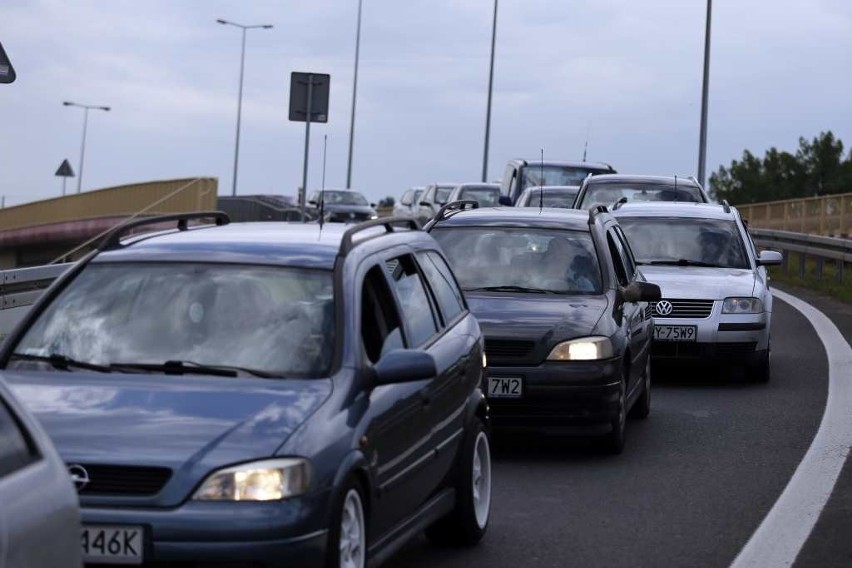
x,y
570,398
268,534
721,338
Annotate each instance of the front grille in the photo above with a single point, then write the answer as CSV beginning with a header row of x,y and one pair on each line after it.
x,y
123,480
507,348
669,349
685,309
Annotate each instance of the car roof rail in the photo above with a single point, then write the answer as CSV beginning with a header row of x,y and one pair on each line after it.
x,y
389,223
695,179
113,238
454,207
621,201
726,206
595,211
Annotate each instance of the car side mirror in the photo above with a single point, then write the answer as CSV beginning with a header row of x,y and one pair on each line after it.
x,y
373,205
425,204
405,366
638,291
312,202
769,258
505,200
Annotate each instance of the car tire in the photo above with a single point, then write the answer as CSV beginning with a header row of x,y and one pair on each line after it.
x,y
642,407
347,542
613,443
467,523
759,372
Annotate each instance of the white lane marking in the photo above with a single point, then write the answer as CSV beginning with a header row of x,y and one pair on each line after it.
x,y
787,526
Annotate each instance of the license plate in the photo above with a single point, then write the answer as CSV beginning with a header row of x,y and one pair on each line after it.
x,y
675,333
104,544
505,387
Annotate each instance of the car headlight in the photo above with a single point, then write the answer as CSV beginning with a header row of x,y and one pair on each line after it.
x,y
583,349
742,306
373,217
268,480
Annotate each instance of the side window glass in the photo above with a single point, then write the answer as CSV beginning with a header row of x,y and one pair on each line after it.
x,y
414,302
381,330
15,452
617,262
443,284
627,253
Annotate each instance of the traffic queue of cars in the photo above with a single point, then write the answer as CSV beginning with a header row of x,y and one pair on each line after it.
x,y
277,394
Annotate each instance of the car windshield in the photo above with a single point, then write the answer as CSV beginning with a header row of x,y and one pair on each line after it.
x,y
563,198
276,320
484,195
522,259
685,241
343,198
608,193
554,175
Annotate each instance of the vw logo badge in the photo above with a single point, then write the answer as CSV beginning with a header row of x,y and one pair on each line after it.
x,y
79,476
663,307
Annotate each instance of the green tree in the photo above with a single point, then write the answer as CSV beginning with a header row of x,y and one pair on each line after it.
x,y
817,168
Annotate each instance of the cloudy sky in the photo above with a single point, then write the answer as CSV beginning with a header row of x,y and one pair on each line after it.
x,y
628,72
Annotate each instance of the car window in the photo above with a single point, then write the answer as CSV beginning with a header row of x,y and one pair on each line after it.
x,y
416,308
381,330
604,193
15,451
617,259
684,240
531,259
278,320
627,253
406,198
485,196
443,284
536,175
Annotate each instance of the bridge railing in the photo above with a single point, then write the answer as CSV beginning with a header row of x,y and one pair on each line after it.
x,y
821,250
827,215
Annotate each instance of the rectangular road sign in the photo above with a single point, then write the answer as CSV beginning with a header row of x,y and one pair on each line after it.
x,y
319,87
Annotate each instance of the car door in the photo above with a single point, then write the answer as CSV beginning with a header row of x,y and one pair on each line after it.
x,y
458,355
634,317
424,209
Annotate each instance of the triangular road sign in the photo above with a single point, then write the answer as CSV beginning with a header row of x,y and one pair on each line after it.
x,y
65,170
7,72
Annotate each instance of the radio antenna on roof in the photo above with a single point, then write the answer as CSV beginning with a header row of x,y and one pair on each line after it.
x,y
586,145
541,184
675,192
322,187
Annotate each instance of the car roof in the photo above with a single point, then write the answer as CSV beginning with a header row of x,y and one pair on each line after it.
x,y
479,184
547,188
548,217
566,163
640,179
295,244
674,209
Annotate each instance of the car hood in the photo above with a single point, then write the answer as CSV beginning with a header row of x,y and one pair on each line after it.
x,y
698,282
190,424
536,318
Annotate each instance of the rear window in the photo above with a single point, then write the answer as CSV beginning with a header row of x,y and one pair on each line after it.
x,y
485,196
521,259
276,320
608,193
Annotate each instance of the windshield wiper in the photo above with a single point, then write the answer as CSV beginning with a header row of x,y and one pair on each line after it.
x,y
511,289
62,362
682,262
190,367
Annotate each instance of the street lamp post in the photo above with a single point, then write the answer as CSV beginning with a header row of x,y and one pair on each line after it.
x,y
702,144
490,90
354,95
86,109
240,95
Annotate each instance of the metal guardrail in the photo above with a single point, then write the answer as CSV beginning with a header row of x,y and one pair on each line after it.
x,y
821,249
827,215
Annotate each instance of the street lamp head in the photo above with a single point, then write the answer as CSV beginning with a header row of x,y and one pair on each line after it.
x,y
223,22
105,108
267,27
67,103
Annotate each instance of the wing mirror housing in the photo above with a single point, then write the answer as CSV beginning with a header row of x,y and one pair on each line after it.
x,y
405,366
505,200
641,292
769,258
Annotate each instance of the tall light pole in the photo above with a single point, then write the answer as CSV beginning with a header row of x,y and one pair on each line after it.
x,y
354,96
702,144
240,96
86,109
490,90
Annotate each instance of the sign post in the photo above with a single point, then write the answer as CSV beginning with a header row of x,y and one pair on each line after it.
x,y
64,171
308,103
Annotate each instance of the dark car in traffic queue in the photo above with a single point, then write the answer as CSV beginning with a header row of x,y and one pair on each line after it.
x,y
263,394
565,315
341,206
